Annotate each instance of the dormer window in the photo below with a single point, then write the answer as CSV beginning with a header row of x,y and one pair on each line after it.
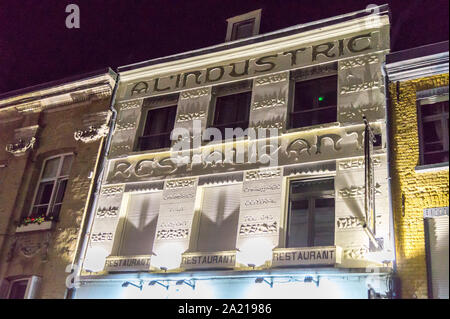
x,y
243,26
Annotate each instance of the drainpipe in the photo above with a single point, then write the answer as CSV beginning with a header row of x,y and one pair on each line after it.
x,y
92,201
391,211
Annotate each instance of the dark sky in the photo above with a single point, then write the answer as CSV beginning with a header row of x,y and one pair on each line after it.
x,y
36,47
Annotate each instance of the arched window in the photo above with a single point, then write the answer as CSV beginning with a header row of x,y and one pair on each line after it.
x,y
52,184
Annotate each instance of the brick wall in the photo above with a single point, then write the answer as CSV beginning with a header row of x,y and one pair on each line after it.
x,y
412,192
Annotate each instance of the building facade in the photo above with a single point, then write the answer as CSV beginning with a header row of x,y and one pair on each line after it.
x,y
50,140
418,117
286,209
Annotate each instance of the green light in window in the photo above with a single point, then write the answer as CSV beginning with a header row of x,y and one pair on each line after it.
x,y
321,98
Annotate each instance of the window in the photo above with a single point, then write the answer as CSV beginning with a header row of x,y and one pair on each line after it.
x,y
243,26
140,225
315,102
243,29
23,288
158,126
219,218
436,244
433,130
311,213
52,186
232,107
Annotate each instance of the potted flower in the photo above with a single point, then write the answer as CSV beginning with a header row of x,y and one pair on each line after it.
x,y
33,223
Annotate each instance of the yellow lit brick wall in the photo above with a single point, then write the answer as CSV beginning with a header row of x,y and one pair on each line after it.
x,y
419,190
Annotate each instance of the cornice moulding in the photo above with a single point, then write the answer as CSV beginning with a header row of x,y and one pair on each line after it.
x,y
78,91
248,51
419,67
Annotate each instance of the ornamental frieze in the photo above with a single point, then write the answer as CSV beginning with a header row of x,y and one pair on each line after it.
x,y
124,126
21,147
356,253
270,79
357,191
30,245
129,105
101,237
258,228
192,94
191,116
360,87
172,233
358,61
181,183
91,134
348,222
356,112
269,100
112,190
299,148
358,163
107,212
264,174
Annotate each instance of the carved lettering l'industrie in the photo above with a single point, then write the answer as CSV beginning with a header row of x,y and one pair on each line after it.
x,y
275,62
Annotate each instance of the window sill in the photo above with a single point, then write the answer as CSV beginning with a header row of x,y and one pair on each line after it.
x,y
431,168
34,227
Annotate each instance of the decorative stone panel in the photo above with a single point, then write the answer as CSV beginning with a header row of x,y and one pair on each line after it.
x,y
361,89
261,205
95,126
176,214
127,123
24,139
269,101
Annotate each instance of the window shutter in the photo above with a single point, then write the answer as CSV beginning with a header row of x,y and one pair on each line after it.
x,y
140,224
219,218
438,234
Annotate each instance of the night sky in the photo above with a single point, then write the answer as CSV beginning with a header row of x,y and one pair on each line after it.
x,y
36,46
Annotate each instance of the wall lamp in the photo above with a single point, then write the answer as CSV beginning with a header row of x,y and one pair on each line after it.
x,y
157,282
311,279
259,280
127,283
190,283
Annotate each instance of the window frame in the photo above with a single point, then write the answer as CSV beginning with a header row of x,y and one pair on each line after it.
x,y
57,180
252,15
331,71
324,194
227,90
146,110
33,284
434,117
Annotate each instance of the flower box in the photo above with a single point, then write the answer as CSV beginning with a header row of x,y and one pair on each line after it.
x,y
46,225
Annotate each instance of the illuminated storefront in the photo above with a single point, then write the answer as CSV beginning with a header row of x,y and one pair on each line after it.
x,y
219,220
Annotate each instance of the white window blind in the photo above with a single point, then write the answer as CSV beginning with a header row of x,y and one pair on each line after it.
x,y
438,237
219,218
140,225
